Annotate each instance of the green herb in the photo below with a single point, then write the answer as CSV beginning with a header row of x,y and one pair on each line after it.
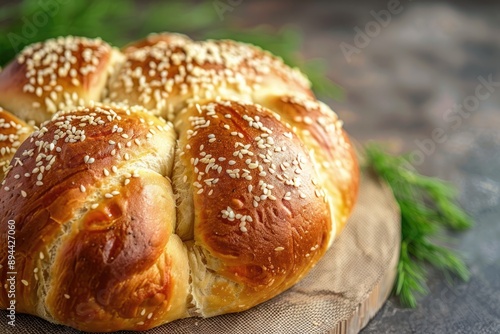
x,y
116,22
119,22
428,205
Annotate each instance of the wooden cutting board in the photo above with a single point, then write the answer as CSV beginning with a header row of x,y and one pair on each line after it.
x,y
340,295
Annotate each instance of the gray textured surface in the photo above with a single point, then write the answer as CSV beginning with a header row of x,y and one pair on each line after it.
x,y
399,89
472,307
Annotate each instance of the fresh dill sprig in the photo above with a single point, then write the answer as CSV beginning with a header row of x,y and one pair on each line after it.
x,y
428,205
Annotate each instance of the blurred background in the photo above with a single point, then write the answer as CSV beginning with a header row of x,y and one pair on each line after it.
x,y
421,77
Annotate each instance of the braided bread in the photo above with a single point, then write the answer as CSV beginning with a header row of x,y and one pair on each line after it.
x,y
169,179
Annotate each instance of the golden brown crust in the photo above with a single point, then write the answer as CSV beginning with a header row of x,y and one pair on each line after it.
x,y
123,276
334,157
166,38
164,77
58,73
13,132
93,178
264,178
260,213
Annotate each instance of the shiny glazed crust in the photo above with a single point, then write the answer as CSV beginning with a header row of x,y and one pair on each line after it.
x,y
128,221
56,74
13,132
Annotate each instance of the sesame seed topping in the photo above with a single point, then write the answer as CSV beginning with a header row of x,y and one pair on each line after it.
x,y
52,64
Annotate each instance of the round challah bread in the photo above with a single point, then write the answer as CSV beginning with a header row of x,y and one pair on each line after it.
x,y
170,179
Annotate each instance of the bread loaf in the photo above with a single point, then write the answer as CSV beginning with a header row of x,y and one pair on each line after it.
x,y
170,179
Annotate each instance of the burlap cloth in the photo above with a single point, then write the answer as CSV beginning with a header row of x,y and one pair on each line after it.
x,y
340,295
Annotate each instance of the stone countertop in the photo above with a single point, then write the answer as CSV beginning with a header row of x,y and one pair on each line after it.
x,y
405,85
